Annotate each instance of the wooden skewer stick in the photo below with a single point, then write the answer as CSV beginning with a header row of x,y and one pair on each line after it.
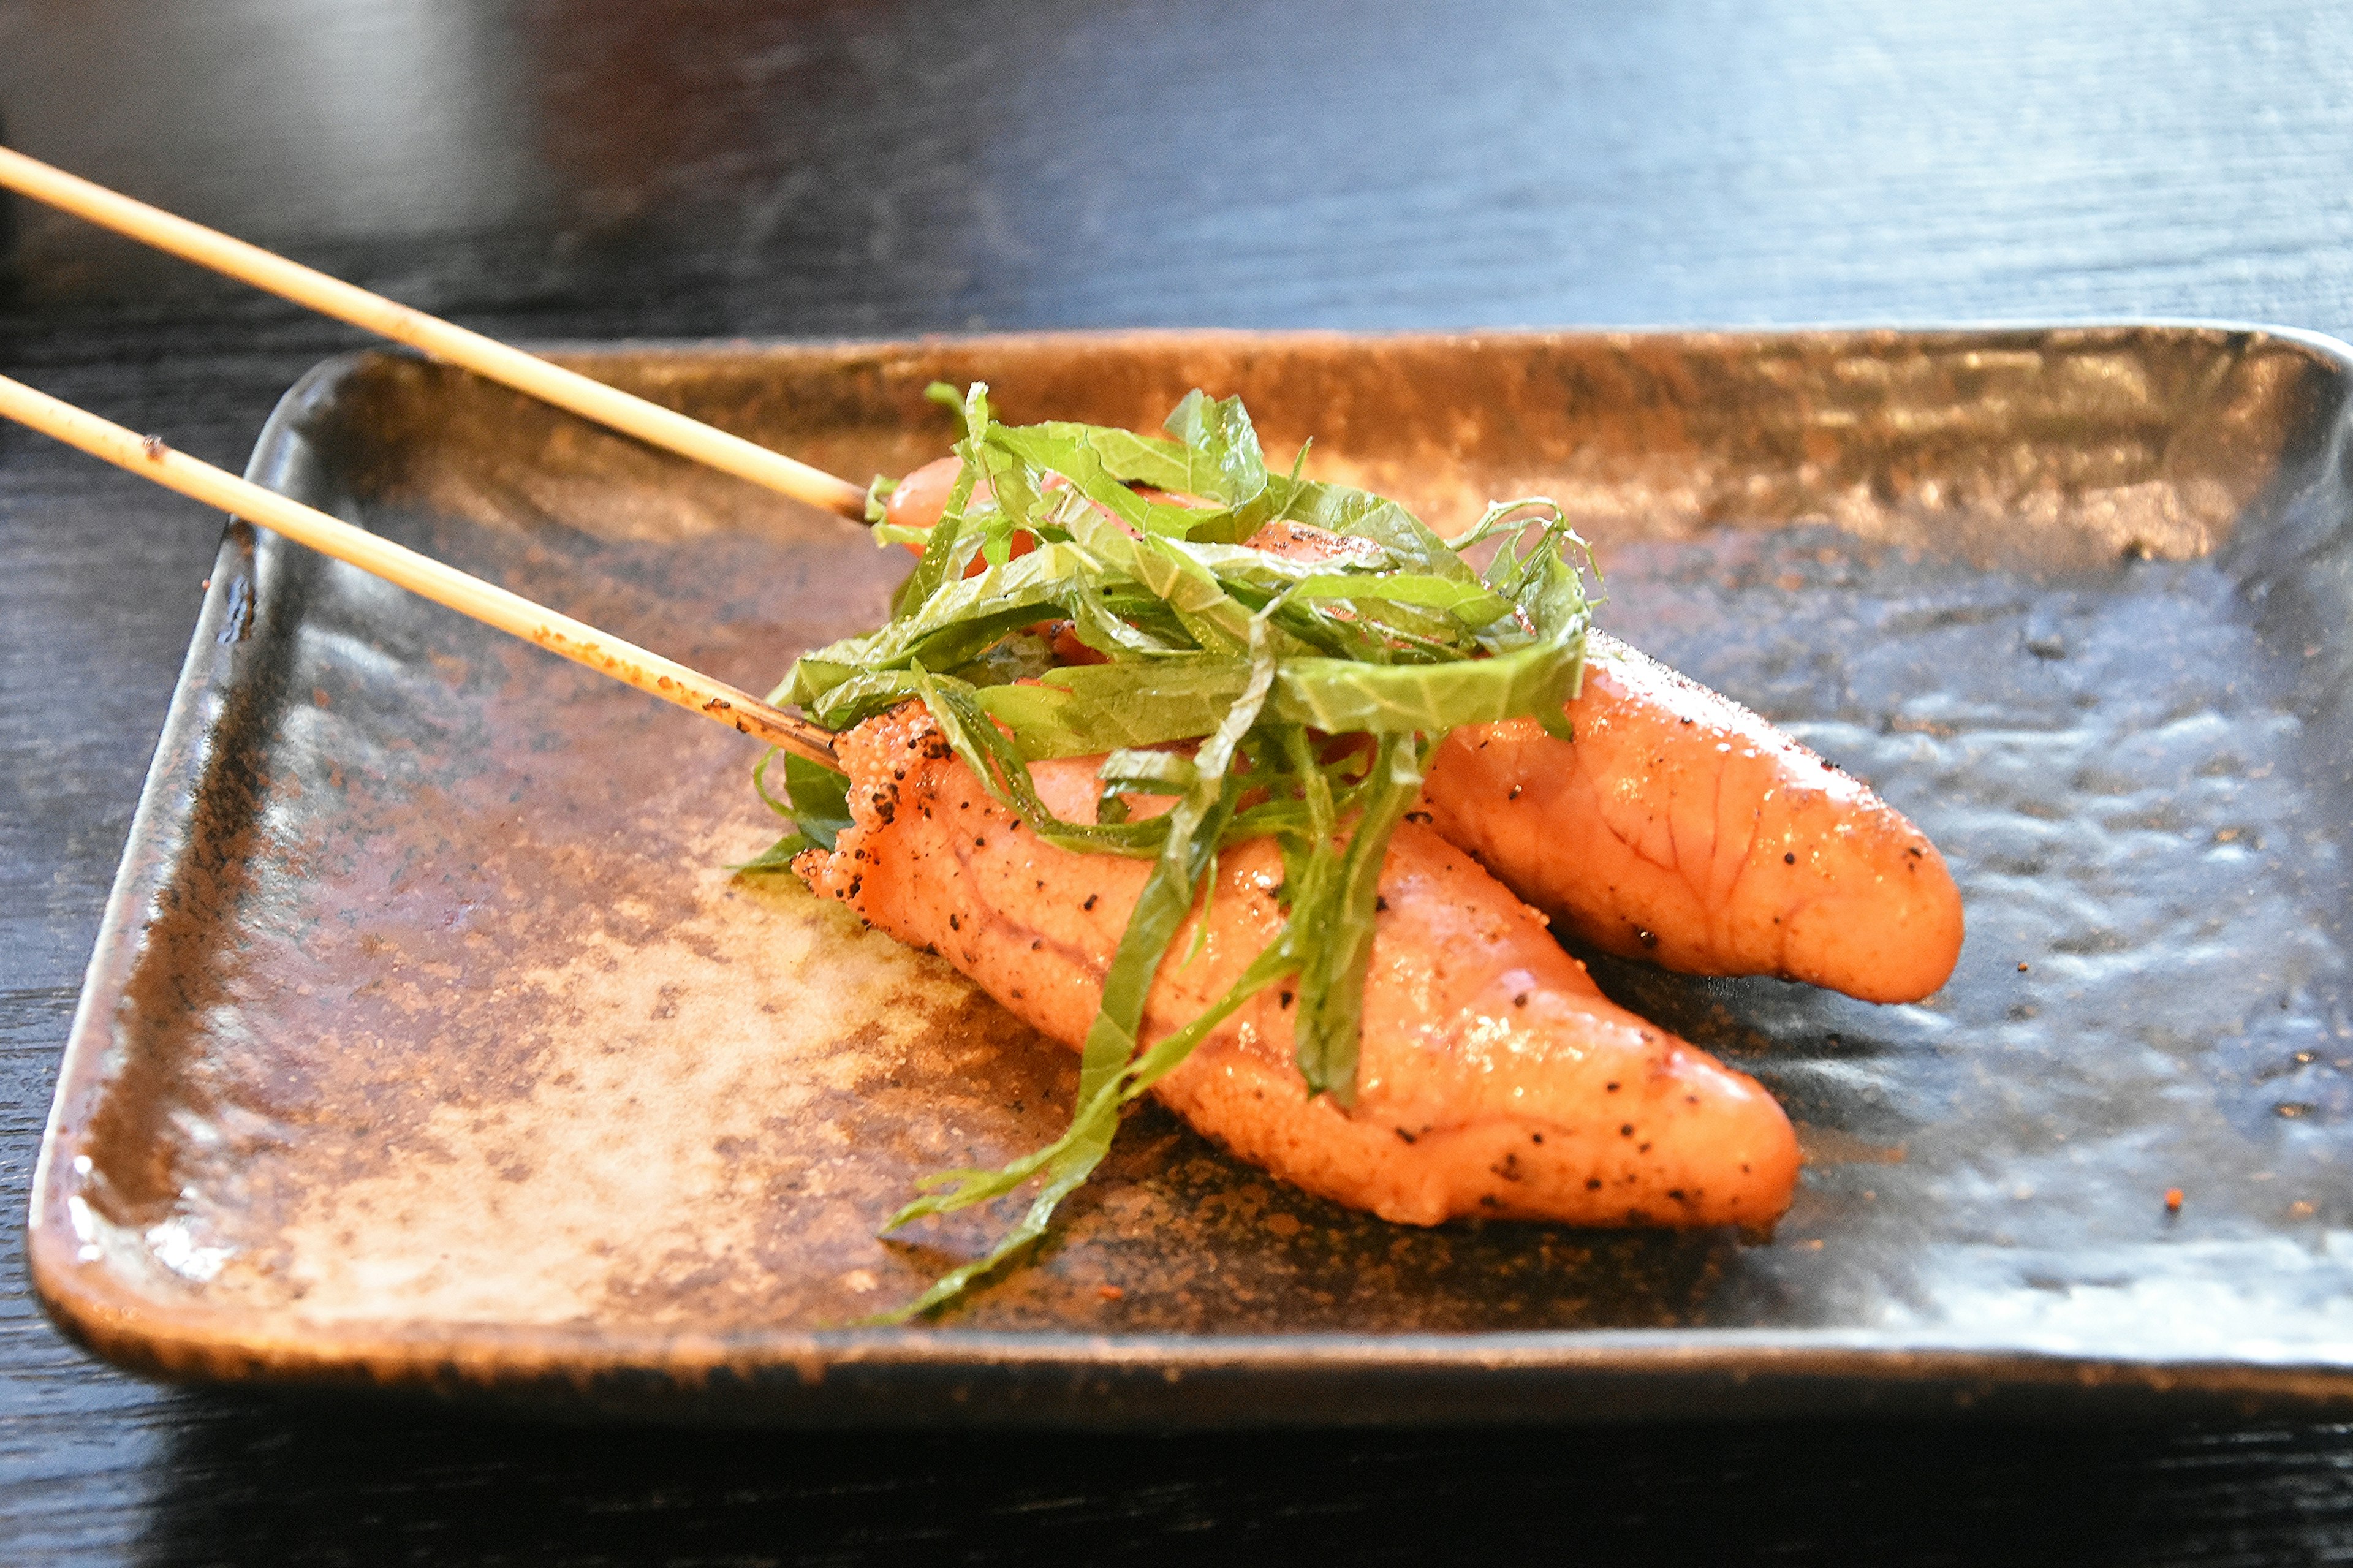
x,y
492,605
607,405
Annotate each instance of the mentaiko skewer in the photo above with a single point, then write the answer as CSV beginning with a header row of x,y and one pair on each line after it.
x,y
607,405
486,602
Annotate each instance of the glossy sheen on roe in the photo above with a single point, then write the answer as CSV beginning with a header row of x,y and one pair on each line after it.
x,y
1494,1078
1680,826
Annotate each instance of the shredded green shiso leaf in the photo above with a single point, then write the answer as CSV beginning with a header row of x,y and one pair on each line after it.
x,y
1261,661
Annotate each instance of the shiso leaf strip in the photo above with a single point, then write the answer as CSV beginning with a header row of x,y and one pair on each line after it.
x,y
1264,696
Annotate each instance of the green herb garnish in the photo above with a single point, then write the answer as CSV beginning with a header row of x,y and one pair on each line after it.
x,y
1267,664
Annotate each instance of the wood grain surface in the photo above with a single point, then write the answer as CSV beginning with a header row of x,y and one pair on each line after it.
x,y
727,168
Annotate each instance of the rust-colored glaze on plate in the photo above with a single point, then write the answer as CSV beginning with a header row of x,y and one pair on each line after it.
x,y
429,1042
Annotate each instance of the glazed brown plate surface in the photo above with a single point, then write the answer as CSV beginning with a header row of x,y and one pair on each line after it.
x,y
430,1043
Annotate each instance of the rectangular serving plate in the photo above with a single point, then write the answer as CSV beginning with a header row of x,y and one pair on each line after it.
x,y
429,1043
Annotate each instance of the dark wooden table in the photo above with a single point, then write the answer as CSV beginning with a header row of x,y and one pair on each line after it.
x,y
723,168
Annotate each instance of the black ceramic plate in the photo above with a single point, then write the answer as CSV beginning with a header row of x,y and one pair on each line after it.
x,y
429,1043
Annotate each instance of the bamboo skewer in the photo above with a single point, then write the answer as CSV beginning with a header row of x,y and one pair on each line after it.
x,y
567,389
148,456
